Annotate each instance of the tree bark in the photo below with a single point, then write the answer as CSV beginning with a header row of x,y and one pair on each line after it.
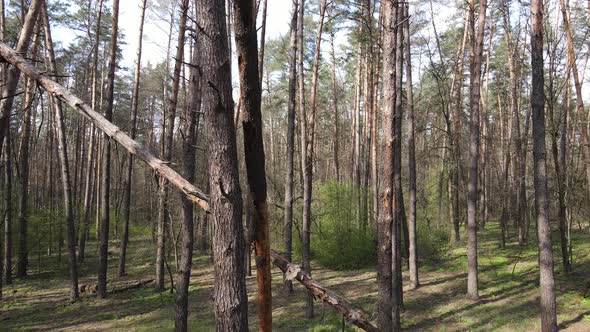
x,y
288,222
336,115
546,281
250,101
133,123
6,104
65,170
193,109
231,306
474,142
413,259
387,302
101,289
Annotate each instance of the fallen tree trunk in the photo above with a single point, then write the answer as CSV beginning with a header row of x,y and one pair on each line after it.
x,y
92,288
134,147
292,271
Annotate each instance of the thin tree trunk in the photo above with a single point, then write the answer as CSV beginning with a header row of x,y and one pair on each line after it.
x,y
399,216
288,222
335,129
168,147
65,171
518,162
134,105
8,213
101,289
7,258
413,260
474,142
546,281
251,97
193,108
231,302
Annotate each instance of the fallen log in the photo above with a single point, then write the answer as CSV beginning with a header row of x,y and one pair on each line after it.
x,y
131,286
92,287
352,315
114,132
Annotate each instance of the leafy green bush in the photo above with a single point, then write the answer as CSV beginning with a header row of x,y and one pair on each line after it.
x,y
432,242
338,241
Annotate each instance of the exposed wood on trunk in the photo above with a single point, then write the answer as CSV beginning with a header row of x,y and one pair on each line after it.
x,y
250,101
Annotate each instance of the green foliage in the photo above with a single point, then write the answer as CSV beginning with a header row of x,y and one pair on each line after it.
x,y
432,242
339,242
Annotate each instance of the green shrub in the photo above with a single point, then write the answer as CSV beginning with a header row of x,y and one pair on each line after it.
x,y
432,242
338,242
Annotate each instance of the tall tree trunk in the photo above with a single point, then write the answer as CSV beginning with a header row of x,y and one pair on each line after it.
x,y
455,138
7,258
94,145
368,102
546,281
193,108
288,222
101,289
413,259
475,87
520,168
231,306
9,91
336,115
387,302
250,100
65,170
399,215
133,121
168,147
356,128
8,212
374,129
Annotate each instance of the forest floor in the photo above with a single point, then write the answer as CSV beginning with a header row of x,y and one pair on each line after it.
x,y
508,288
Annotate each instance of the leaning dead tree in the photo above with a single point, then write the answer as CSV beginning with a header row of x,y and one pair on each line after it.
x,y
354,316
114,132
